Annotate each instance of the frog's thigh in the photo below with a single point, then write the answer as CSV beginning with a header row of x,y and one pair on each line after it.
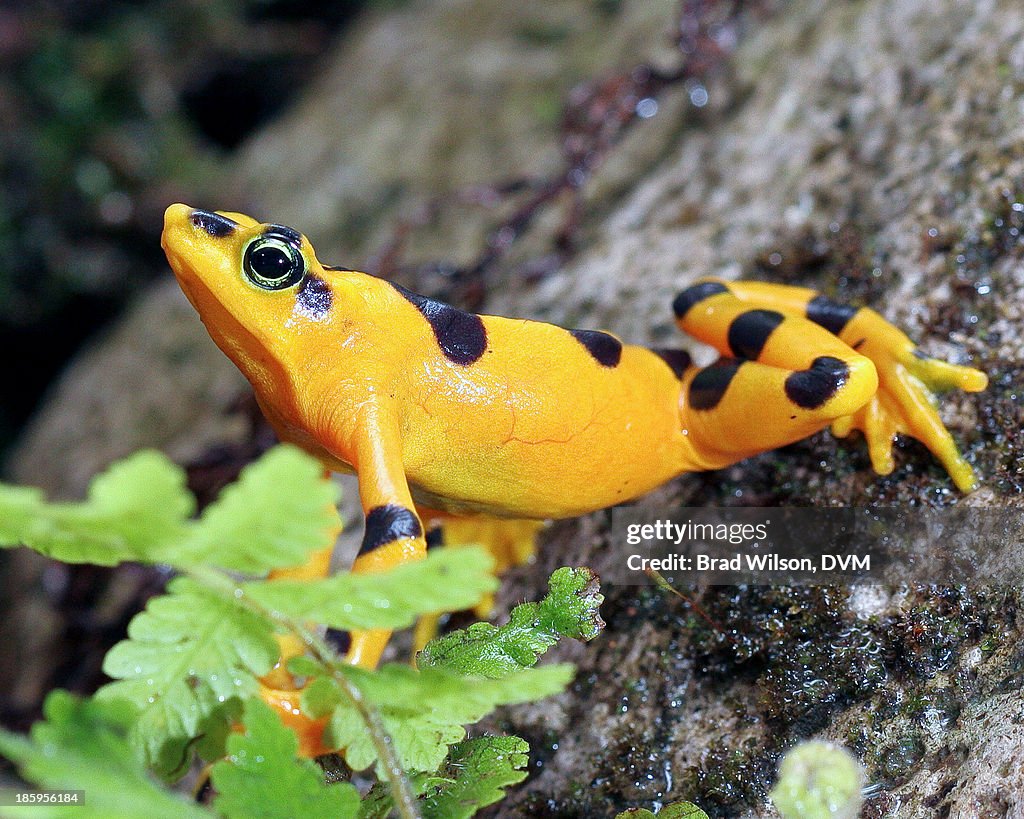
x,y
779,337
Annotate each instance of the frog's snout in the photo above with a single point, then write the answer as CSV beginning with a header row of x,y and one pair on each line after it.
x,y
176,214
214,224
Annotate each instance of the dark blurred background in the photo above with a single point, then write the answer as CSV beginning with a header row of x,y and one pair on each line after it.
x,y
110,110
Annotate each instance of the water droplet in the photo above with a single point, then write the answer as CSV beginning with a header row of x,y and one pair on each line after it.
x,y
647,107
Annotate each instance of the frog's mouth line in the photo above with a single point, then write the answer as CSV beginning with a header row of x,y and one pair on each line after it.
x,y
182,272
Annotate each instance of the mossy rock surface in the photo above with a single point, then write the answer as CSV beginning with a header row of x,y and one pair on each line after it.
x,y
873,150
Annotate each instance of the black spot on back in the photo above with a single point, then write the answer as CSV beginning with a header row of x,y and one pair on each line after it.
x,y
709,385
606,349
388,523
677,360
749,332
830,314
812,387
461,335
691,295
284,232
314,297
213,223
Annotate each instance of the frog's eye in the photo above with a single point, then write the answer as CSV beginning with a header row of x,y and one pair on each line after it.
x,y
273,264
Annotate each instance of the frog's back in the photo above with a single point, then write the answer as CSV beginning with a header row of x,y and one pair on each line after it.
x,y
523,418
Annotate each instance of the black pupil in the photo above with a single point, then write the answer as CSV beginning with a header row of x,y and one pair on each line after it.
x,y
271,263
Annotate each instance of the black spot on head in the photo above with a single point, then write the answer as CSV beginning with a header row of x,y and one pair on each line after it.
x,y
859,343
691,295
388,523
830,314
213,223
314,297
814,386
709,385
606,349
749,332
677,360
461,335
284,232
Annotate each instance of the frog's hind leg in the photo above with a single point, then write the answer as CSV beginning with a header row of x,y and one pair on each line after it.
x,y
510,543
784,326
781,377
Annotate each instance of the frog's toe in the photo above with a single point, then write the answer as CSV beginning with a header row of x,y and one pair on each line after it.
x,y
958,468
879,427
905,404
914,406
940,376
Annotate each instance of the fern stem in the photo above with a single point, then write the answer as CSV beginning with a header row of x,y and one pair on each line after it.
x,y
401,792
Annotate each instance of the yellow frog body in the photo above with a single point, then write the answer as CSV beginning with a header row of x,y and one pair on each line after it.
x,y
439,409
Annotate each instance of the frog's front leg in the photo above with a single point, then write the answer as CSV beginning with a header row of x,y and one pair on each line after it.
x,y
775,324
394,532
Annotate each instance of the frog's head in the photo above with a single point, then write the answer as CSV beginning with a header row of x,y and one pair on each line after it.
x,y
258,287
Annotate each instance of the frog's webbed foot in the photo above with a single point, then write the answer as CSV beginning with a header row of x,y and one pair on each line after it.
x,y
905,404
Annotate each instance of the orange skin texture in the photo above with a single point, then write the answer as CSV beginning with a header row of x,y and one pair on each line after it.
x,y
535,427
